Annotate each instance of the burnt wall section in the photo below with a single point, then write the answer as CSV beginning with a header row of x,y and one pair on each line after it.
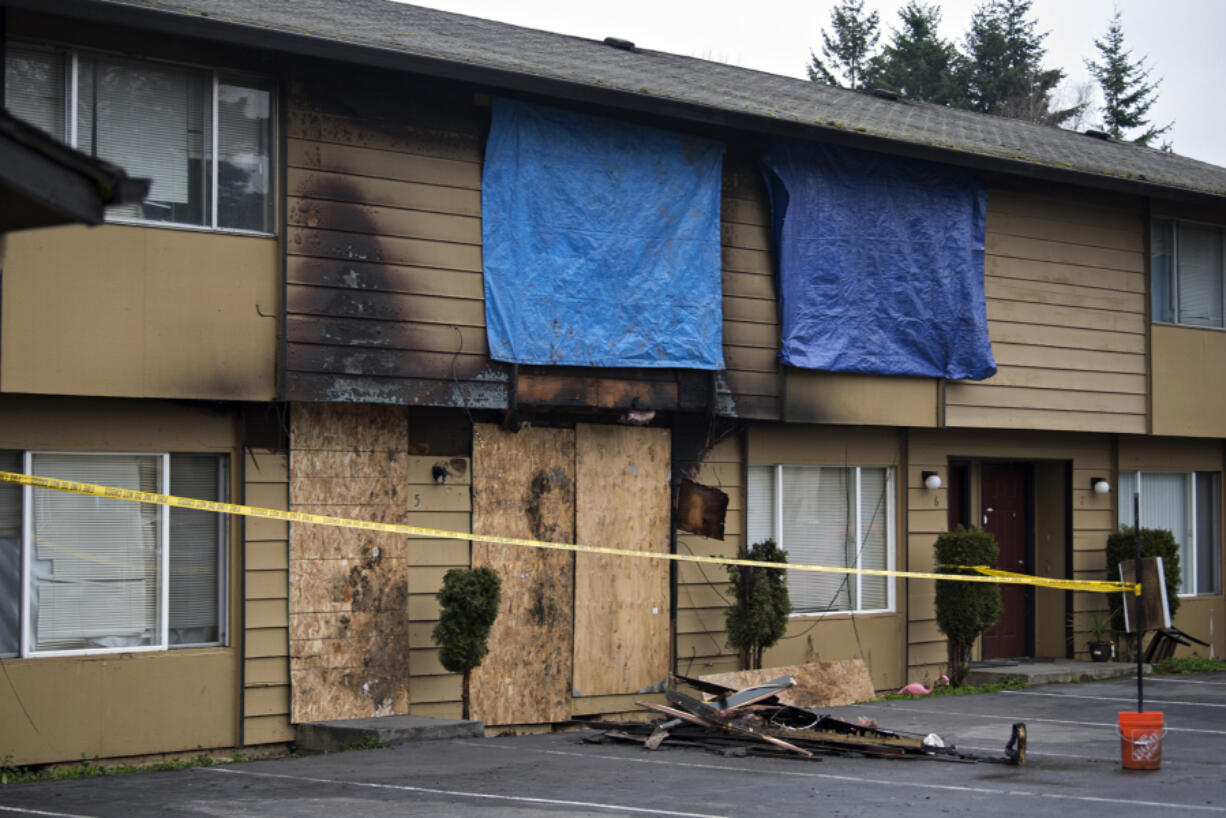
x,y
384,296
349,631
703,591
752,380
384,291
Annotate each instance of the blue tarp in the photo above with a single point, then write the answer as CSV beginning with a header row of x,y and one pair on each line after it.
x,y
601,242
880,262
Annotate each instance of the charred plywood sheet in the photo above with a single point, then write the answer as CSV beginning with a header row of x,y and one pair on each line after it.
x,y
701,509
349,590
621,603
524,486
820,684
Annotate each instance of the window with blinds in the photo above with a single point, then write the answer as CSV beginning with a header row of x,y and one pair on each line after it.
x,y
1186,260
203,137
836,516
1187,504
90,574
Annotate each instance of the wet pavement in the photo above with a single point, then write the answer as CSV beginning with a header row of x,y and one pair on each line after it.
x,y
1073,765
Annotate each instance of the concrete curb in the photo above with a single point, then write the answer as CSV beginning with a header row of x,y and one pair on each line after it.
x,y
346,734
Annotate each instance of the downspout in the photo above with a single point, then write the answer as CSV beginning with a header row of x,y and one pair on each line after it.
x,y
241,630
282,199
674,487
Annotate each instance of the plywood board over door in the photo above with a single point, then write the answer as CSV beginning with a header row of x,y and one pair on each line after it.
x,y
524,486
621,603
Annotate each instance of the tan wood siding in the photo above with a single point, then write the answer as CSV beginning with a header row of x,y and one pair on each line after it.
x,y
433,690
1186,401
383,278
750,303
1093,519
266,679
1065,285
140,312
703,591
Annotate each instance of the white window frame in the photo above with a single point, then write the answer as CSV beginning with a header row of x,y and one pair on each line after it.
x,y
223,566
1194,545
1171,226
216,79
890,539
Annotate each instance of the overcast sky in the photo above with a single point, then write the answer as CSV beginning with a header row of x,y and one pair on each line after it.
x,y
1181,38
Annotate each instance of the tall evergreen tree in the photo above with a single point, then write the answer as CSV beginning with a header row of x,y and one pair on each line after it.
x,y
1127,92
1003,71
849,51
917,63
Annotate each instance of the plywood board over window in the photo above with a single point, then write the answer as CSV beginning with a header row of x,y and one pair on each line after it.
x,y
348,617
621,603
572,625
524,486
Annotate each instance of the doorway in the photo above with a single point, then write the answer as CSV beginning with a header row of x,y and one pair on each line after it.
x,y
1008,514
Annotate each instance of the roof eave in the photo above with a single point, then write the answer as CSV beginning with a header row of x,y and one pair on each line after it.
x,y
199,26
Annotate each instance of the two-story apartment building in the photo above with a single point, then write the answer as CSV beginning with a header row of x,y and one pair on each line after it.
x,y
409,266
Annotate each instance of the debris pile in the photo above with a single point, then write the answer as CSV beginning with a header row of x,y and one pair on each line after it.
x,y
753,721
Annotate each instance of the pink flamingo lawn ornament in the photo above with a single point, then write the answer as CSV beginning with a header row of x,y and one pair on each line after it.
x,y
917,689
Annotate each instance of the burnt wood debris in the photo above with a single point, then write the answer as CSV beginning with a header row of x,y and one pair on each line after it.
x,y
752,721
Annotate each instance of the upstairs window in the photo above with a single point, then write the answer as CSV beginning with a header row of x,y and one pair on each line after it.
x,y
821,515
203,136
1186,261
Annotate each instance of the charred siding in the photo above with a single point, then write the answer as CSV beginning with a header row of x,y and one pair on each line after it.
x,y
384,298
384,291
751,306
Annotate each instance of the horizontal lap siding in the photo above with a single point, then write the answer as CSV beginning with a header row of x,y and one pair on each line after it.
x,y
1065,286
750,304
384,296
433,690
1093,520
266,679
703,591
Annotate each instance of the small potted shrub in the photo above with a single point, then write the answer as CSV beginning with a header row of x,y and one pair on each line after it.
x,y
1101,649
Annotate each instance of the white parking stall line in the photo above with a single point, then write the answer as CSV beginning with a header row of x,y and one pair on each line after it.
x,y
1109,698
522,799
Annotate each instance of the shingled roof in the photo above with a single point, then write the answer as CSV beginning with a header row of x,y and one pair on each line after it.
x,y
395,35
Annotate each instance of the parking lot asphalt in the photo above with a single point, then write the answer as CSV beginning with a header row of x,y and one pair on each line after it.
x,y
1073,766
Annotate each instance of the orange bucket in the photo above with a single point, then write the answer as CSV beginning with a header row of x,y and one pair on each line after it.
x,y
1141,740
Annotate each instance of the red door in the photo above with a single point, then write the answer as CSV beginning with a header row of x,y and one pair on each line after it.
x,y
1005,487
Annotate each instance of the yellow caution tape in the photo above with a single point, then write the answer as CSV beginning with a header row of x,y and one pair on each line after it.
x,y
1100,586
92,490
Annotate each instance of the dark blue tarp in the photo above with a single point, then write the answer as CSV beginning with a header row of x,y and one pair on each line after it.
x,y
880,262
601,242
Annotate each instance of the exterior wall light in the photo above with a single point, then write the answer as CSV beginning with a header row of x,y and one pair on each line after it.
x,y
1100,485
932,480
